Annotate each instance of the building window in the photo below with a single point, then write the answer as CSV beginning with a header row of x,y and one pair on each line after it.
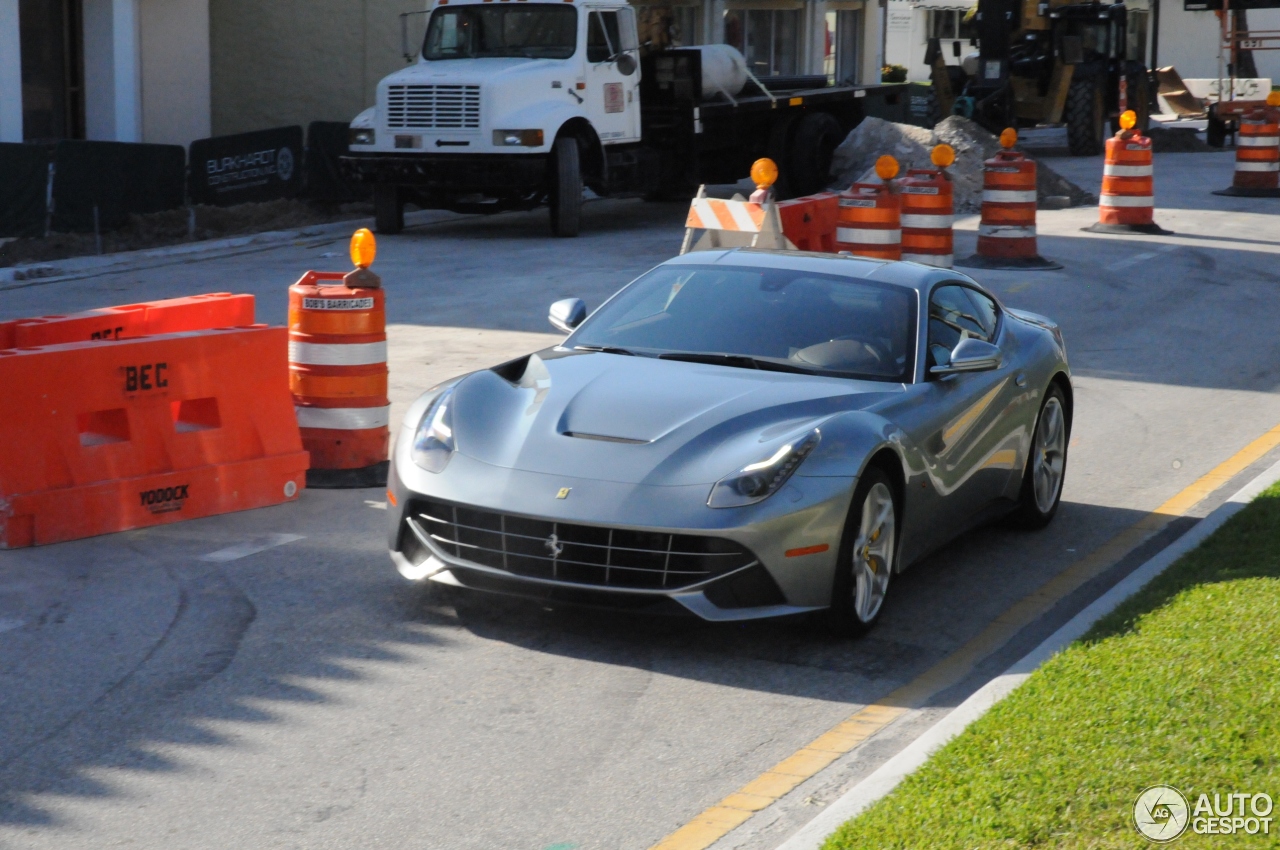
x,y
686,26
769,38
949,23
840,46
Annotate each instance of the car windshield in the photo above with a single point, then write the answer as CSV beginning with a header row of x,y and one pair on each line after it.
x,y
761,318
534,31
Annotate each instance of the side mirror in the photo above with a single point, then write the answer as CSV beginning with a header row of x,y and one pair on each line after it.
x,y
626,64
971,355
567,314
955,49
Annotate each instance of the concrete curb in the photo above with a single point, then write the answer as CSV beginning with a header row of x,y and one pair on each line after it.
x,y
73,268
887,776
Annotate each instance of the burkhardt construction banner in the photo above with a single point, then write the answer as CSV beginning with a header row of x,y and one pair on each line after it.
x,y
259,166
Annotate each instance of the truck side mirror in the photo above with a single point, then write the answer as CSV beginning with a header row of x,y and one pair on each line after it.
x,y
626,64
955,49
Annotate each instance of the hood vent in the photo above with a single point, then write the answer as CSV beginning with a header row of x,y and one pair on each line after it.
x,y
605,438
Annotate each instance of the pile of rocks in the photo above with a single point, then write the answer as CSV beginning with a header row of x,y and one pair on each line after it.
x,y
856,156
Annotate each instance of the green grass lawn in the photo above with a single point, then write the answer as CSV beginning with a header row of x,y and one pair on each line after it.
x,y
1179,686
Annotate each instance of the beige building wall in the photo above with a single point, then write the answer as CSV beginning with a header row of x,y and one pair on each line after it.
x,y
174,39
295,61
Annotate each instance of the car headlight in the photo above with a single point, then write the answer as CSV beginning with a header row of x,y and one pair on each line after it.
x,y
756,482
361,136
433,442
517,138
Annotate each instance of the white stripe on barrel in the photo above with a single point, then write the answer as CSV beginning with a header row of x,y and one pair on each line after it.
x,y
1257,141
344,418
942,261
1008,196
1127,170
927,222
860,236
1257,166
345,354
1126,200
1006,231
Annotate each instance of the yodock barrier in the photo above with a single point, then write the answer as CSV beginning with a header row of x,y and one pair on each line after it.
x,y
1257,172
737,223
928,211
130,321
103,436
810,222
1007,231
338,371
1127,201
869,220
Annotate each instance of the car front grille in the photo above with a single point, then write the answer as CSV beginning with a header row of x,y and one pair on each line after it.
x,y
433,107
577,554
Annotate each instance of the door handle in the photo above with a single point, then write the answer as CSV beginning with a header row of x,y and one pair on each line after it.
x,y
1020,379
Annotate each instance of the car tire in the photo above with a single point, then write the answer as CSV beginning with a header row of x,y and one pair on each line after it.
x,y
388,208
1086,118
566,187
817,137
1046,468
867,557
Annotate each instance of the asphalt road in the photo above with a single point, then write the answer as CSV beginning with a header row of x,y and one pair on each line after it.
x,y
293,692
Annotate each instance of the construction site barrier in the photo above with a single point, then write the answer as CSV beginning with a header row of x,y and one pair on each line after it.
x,y
338,376
1127,201
928,212
734,223
1007,230
130,321
810,222
105,436
868,221
1257,173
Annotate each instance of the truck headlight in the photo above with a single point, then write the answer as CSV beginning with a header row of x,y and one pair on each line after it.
x,y
365,136
433,442
517,138
757,481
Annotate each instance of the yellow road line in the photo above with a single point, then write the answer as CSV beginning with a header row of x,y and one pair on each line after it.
x,y
719,820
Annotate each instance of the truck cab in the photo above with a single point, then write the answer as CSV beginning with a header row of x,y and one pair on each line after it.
x,y
510,104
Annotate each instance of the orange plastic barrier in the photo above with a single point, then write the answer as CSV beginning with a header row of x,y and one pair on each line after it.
x,y
150,431
1007,231
810,222
130,321
928,211
1127,201
338,376
868,221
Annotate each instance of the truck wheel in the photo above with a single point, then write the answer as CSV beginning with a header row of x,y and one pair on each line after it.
x,y
388,208
1215,132
817,137
566,187
1086,117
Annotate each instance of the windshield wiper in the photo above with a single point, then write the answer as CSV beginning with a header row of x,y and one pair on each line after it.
x,y
605,349
741,361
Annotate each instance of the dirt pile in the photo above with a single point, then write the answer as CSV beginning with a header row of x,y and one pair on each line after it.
x,y
174,227
856,156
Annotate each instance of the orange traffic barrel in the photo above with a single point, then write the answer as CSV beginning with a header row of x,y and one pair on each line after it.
x,y
869,218
1007,231
928,210
338,376
1127,201
1257,172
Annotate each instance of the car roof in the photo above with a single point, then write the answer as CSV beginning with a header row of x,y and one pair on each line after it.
x,y
909,275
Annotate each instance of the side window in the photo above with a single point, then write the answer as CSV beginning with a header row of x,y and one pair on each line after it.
x,y
954,316
985,311
603,38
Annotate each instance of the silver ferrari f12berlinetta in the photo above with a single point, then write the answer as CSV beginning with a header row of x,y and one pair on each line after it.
x,y
738,434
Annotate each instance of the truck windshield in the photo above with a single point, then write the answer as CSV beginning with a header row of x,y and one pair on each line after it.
x,y
533,31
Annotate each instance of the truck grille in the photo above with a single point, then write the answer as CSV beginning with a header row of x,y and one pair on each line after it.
x,y
433,107
579,554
